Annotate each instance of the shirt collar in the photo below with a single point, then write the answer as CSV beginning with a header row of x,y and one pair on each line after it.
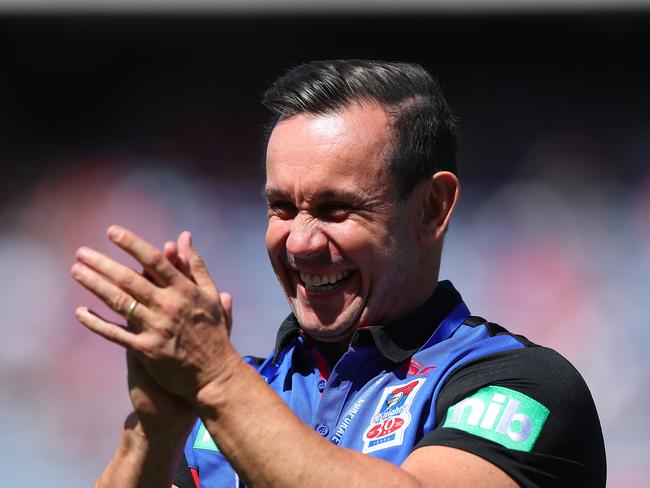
x,y
397,340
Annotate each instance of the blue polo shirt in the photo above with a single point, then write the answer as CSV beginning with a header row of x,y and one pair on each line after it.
x,y
438,376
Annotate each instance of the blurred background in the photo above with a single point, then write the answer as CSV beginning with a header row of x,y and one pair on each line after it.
x,y
147,114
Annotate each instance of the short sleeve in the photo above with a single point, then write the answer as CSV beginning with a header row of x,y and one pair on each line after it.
x,y
183,477
527,411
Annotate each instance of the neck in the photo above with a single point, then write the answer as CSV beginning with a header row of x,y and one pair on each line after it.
x,y
332,351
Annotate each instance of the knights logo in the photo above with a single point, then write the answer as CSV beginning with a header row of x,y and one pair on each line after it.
x,y
392,416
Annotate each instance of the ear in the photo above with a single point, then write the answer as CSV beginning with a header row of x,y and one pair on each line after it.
x,y
440,194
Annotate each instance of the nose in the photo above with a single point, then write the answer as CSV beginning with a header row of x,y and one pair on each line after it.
x,y
306,238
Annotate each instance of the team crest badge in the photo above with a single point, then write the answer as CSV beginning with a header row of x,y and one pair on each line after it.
x,y
392,416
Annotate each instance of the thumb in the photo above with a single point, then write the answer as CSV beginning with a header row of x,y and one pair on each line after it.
x,y
226,303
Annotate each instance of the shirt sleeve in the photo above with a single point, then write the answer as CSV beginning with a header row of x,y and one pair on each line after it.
x,y
527,411
183,477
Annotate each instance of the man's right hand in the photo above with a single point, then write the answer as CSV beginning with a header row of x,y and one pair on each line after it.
x,y
158,416
153,436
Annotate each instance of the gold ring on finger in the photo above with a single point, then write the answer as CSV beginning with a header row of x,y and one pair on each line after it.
x,y
130,310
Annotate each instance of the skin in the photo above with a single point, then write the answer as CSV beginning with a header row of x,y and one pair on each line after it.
x,y
331,209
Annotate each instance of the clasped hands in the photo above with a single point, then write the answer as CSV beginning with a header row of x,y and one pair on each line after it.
x,y
179,329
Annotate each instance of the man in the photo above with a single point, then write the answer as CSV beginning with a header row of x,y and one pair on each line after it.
x,y
380,376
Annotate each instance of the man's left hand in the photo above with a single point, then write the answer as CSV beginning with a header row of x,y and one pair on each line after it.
x,y
179,327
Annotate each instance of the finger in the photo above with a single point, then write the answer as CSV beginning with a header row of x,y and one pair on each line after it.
x,y
108,330
198,269
181,262
122,276
116,298
170,250
152,260
171,253
226,302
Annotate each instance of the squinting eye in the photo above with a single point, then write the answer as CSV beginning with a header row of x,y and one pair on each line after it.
x,y
283,210
335,213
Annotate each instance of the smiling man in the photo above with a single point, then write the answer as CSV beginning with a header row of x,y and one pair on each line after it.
x,y
380,376
343,243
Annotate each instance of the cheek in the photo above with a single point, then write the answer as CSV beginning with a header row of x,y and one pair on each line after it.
x,y
345,240
356,243
276,236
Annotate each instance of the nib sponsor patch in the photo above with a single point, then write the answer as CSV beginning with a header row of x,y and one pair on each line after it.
x,y
391,417
501,415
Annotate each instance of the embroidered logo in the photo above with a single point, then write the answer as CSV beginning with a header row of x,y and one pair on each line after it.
x,y
415,368
501,415
392,417
347,420
418,369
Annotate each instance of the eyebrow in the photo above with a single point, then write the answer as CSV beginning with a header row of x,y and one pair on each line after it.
x,y
272,193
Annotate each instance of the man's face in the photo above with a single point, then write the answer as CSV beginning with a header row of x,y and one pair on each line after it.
x,y
341,246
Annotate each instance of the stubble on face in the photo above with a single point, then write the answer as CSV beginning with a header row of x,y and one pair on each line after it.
x,y
333,216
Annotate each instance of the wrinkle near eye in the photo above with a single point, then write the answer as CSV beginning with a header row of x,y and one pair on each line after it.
x,y
309,221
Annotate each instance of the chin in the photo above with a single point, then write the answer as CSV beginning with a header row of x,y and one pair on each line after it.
x,y
329,335
338,329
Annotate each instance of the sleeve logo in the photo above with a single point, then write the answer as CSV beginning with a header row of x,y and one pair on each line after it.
x,y
391,418
501,415
203,440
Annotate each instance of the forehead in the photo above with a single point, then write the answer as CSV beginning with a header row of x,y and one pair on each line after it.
x,y
324,151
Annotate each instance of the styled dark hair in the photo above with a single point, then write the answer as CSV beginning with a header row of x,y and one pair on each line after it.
x,y
424,133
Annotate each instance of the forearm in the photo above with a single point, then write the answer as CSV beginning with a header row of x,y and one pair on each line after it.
x,y
141,461
262,438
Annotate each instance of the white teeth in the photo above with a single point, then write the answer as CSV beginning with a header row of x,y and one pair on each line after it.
x,y
314,280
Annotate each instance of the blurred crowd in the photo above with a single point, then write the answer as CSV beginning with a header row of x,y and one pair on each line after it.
x,y
155,124
565,262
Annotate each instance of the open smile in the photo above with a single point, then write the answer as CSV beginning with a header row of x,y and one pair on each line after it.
x,y
324,282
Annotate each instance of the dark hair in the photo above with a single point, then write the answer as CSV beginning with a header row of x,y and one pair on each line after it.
x,y
425,139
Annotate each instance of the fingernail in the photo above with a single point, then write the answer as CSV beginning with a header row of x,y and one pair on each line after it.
x,y
83,252
80,312
114,232
77,270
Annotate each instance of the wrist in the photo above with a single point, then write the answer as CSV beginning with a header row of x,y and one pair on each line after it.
x,y
140,460
212,396
149,441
